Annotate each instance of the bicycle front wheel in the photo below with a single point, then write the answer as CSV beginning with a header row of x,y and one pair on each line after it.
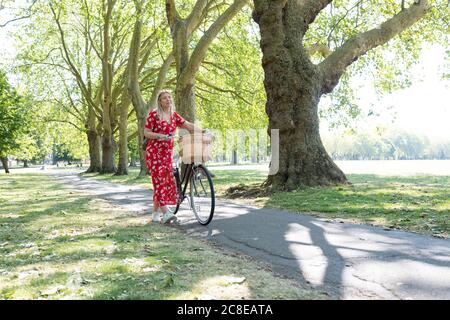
x,y
202,195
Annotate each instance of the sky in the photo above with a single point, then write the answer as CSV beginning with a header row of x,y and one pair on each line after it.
x,y
422,108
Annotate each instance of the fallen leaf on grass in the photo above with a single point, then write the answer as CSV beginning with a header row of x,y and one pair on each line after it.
x,y
134,261
27,273
87,281
238,280
147,249
205,297
52,290
152,269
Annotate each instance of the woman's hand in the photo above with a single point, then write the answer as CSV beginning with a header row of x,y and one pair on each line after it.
x,y
166,137
157,136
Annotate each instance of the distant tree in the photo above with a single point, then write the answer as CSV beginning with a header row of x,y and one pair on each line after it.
x,y
12,119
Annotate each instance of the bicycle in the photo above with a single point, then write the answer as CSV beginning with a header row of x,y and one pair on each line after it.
x,y
201,192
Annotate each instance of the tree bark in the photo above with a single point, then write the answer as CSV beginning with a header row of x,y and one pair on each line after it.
x,y
4,161
188,65
140,107
109,148
141,124
108,144
293,88
122,167
94,151
294,85
133,84
185,100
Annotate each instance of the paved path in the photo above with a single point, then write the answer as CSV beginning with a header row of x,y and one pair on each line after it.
x,y
349,261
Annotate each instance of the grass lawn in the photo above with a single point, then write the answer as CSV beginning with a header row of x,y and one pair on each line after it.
x,y
58,243
414,203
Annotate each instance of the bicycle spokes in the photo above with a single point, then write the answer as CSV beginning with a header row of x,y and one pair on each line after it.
x,y
202,195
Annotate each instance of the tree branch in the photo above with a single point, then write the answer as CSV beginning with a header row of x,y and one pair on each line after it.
x,y
134,89
65,121
232,92
200,50
341,19
19,18
68,60
88,31
172,14
335,65
311,8
160,80
196,14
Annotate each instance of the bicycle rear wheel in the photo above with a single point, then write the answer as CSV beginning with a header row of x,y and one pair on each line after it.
x,y
202,195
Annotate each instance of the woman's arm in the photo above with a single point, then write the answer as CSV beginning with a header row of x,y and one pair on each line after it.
x,y
153,135
191,127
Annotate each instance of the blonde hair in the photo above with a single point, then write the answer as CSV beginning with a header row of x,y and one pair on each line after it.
x,y
159,109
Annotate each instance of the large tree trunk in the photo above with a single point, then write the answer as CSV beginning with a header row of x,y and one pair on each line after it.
x,y
134,66
185,101
108,105
5,164
303,159
184,92
122,167
141,125
94,141
294,84
94,152
109,147
293,87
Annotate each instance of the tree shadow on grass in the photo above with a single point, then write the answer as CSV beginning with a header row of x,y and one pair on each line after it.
x,y
116,274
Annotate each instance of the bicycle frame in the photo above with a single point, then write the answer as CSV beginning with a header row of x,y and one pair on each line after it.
x,y
186,177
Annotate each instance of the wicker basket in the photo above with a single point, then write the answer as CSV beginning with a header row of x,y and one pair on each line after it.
x,y
196,148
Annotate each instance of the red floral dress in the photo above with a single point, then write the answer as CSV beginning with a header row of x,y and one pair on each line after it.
x,y
159,158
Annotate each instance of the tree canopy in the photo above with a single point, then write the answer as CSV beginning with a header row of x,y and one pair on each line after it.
x,y
78,62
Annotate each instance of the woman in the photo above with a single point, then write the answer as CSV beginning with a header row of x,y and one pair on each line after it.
x,y
160,128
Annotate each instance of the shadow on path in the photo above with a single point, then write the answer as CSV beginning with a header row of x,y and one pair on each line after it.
x,y
348,261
